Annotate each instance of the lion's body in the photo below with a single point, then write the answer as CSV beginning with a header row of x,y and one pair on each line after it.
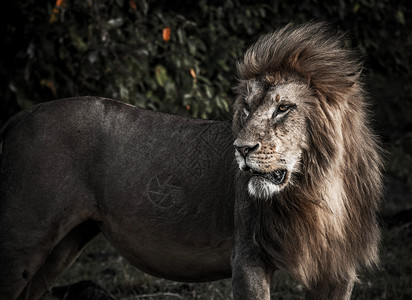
x,y
164,191
158,186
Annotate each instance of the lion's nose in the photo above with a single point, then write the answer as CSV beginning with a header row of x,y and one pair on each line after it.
x,y
244,150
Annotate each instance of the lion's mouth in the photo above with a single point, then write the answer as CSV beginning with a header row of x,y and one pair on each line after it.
x,y
277,177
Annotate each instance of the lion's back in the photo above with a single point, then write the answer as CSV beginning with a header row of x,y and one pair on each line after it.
x,y
102,149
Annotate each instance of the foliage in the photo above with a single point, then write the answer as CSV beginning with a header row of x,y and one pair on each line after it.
x,y
116,48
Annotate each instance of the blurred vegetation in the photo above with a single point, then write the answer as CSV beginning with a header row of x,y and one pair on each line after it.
x,y
116,48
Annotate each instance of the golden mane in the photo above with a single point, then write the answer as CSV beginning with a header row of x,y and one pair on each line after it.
x,y
311,51
323,227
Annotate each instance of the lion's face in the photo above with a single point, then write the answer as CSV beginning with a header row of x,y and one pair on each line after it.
x,y
269,124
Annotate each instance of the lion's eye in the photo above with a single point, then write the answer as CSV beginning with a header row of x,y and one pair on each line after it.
x,y
283,108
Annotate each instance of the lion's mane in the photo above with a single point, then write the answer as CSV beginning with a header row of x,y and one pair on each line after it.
x,y
299,230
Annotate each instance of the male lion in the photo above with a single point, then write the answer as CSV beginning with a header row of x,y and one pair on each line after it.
x,y
310,180
164,191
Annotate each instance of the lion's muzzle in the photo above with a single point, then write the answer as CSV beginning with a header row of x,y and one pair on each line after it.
x,y
244,150
265,178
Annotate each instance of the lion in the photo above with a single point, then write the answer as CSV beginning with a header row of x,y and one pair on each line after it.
x,y
309,184
293,183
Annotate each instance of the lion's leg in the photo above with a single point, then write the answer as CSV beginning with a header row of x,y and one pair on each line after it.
x,y
342,291
18,263
26,241
251,276
23,248
250,281
60,258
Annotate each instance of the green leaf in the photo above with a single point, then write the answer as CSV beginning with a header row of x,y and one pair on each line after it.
x,y
192,48
77,41
400,17
161,75
209,91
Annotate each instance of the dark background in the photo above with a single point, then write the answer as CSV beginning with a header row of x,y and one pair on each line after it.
x,y
116,49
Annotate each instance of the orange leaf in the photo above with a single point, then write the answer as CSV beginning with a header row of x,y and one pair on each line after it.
x,y
55,12
166,34
50,84
133,5
60,3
